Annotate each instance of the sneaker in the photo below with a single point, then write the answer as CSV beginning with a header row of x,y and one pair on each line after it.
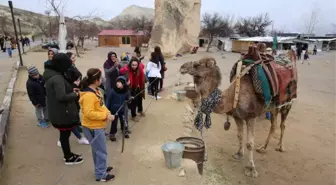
x,y
127,136
108,177
157,97
59,144
142,114
75,159
109,169
43,124
83,141
113,138
135,119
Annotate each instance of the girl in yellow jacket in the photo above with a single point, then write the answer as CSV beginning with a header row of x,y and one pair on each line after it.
x,y
95,116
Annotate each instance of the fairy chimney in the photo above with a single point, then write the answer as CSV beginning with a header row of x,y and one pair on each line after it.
x,y
176,26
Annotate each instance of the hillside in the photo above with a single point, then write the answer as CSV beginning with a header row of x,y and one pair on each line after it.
x,y
28,18
135,11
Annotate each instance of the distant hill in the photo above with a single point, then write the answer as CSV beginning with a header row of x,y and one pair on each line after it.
x,y
27,18
135,11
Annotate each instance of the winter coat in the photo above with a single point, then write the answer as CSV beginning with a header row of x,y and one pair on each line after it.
x,y
163,65
36,91
93,110
61,99
117,97
72,75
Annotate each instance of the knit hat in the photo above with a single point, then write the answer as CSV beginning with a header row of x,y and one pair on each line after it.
x,y
54,50
32,71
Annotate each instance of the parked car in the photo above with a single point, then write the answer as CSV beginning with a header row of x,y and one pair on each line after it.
x,y
54,44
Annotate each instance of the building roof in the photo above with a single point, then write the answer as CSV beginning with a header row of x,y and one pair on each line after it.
x,y
267,39
321,40
120,32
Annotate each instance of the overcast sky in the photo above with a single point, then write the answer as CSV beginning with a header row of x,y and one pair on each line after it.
x,y
288,15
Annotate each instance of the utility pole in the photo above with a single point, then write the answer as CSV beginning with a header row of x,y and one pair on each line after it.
x,y
21,35
16,35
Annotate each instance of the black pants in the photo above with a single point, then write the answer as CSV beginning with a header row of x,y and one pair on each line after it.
x,y
154,85
64,139
114,126
160,83
136,102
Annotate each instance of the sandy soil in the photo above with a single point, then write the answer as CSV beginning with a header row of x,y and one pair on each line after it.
x,y
32,157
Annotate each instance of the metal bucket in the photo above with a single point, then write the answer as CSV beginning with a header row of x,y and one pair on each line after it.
x,y
173,152
180,95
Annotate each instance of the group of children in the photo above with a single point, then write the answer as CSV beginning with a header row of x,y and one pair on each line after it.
x,y
124,88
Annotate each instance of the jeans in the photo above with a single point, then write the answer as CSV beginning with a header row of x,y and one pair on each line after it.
x,y
97,140
75,131
65,144
9,51
41,114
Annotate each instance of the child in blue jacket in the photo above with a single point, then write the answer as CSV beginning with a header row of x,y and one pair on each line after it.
x,y
116,104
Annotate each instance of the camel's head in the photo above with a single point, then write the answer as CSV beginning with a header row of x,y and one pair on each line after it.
x,y
204,70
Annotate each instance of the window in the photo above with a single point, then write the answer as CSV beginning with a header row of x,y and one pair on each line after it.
x,y
126,40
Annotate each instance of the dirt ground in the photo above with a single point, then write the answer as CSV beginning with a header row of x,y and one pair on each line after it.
x,y
32,157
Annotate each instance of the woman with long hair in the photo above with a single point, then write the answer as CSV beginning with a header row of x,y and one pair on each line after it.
x,y
159,54
135,73
153,69
95,116
61,101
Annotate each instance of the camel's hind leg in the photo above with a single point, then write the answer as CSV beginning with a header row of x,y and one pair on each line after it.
x,y
240,134
284,113
250,168
262,149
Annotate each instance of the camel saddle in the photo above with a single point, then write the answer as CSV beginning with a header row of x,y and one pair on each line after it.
x,y
280,77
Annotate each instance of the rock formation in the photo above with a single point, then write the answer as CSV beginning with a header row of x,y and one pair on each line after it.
x,y
176,26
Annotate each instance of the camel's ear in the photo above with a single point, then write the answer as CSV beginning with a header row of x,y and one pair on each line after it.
x,y
211,63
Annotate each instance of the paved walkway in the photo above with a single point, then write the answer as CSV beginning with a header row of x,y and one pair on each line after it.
x,y
6,67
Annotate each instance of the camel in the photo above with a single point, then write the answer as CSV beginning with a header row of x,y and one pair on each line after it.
x,y
207,77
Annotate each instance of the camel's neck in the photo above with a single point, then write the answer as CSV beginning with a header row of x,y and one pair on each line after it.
x,y
226,103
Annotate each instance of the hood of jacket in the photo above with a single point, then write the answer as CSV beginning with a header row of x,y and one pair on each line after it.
x,y
48,73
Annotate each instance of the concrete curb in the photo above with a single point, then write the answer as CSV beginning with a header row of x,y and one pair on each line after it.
x,y
4,114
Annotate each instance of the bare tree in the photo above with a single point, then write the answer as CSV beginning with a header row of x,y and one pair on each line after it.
x,y
253,26
142,24
216,25
312,20
4,22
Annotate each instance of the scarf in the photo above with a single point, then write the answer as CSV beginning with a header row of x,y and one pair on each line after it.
x,y
207,106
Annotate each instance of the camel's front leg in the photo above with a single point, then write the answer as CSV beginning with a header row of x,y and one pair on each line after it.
x,y
262,149
284,113
250,168
240,134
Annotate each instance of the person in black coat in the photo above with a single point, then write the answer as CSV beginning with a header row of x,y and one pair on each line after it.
x,y
37,95
61,101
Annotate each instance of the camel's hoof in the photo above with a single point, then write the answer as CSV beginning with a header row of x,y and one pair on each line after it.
x,y
238,156
280,149
261,150
251,172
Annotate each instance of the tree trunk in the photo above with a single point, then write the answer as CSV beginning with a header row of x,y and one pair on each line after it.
x,y
77,52
210,41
